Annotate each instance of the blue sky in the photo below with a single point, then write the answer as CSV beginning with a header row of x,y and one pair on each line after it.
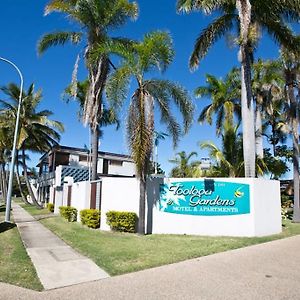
x,y
22,24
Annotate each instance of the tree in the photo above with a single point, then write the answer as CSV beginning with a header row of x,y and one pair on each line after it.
x,y
96,19
37,132
225,97
266,85
229,159
290,62
276,165
153,53
246,18
276,120
184,168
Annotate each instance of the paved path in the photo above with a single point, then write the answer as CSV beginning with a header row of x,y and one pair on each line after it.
x,y
56,263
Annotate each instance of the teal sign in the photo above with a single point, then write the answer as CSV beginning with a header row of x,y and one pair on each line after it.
x,y
206,197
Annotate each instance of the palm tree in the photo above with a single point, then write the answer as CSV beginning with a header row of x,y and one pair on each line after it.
x,y
229,159
291,67
96,20
266,85
184,168
276,120
246,18
153,53
37,132
225,96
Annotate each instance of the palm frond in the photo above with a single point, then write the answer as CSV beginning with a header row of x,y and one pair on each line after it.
x,y
210,35
64,6
117,86
156,50
58,38
204,5
167,90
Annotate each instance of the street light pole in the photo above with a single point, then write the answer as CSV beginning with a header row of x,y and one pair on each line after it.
x,y
13,156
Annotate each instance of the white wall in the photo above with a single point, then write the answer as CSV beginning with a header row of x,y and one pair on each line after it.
x,y
51,194
99,165
81,196
58,201
126,169
264,217
74,160
121,194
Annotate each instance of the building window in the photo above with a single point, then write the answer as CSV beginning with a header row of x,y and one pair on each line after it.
x,y
83,157
116,162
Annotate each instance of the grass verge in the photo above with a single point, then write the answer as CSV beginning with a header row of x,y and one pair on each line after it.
x,y
32,209
120,253
15,265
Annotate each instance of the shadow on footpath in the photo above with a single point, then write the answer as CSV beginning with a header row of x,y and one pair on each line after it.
x,y
4,226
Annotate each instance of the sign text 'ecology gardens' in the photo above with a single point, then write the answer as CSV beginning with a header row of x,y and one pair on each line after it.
x,y
205,197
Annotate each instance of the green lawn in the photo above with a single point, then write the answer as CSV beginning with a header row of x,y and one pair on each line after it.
x,y
15,265
32,209
119,253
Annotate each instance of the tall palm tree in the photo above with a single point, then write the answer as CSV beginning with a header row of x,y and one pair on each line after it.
x,y
155,52
96,19
291,67
246,18
184,168
225,97
37,132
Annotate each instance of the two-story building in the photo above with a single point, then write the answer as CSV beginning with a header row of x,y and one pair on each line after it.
x,y
62,161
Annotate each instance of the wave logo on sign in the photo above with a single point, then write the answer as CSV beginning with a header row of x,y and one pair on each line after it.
x,y
201,198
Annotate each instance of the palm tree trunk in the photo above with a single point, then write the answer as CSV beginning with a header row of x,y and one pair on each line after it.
x,y
295,133
247,116
259,136
95,143
32,196
142,206
19,180
244,9
273,142
98,73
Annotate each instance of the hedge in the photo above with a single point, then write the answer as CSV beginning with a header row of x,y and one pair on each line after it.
x,y
90,217
122,221
50,207
69,213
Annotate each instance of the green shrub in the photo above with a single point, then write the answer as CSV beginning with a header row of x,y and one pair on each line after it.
x,y
286,207
69,213
90,217
50,207
122,220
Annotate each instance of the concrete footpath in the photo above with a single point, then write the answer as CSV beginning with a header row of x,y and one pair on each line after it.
x,y
56,263
265,271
